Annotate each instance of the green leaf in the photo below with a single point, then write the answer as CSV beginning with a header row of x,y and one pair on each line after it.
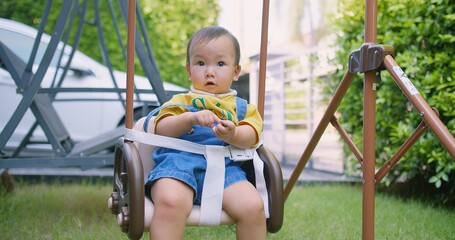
x,y
445,177
433,179
438,184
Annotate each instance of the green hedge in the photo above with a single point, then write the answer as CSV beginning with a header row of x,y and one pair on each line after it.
x,y
422,33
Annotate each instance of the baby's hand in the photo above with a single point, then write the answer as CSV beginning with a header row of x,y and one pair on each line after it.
x,y
224,130
204,118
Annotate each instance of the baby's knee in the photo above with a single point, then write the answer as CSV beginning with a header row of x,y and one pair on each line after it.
x,y
170,195
254,207
172,201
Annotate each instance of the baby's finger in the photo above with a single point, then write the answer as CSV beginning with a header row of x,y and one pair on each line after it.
x,y
227,124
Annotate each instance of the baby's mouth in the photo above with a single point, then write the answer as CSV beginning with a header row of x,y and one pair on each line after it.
x,y
210,84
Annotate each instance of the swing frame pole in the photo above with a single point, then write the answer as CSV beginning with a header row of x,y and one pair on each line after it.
x,y
263,57
131,25
369,129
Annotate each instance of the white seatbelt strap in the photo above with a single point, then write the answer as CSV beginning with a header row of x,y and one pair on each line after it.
x,y
238,154
213,188
260,182
163,141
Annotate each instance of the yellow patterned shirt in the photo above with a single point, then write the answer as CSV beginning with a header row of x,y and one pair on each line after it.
x,y
223,106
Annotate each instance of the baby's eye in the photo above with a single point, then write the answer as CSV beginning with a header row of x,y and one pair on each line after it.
x,y
220,64
200,63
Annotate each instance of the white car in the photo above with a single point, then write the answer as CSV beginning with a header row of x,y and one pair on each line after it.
x,y
84,114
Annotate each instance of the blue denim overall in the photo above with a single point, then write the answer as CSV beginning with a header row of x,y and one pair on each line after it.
x,y
189,167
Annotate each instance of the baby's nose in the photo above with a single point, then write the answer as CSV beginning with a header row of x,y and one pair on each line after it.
x,y
209,72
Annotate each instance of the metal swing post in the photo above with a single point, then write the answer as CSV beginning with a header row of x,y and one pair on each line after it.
x,y
263,57
130,63
369,131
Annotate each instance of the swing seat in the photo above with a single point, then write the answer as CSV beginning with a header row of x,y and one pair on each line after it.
x,y
134,211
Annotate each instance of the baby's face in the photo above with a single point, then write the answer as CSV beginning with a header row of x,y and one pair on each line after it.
x,y
212,66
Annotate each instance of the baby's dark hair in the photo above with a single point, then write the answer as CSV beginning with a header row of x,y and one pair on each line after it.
x,y
209,33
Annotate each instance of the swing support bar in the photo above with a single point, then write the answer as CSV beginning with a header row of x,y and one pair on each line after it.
x,y
263,57
131,26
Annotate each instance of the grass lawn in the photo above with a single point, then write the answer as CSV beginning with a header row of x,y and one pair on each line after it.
x,y
79,211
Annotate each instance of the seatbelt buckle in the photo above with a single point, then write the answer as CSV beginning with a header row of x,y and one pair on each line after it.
x,y
238,154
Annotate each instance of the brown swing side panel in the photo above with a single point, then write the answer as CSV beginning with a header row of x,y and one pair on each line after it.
x,y
274,181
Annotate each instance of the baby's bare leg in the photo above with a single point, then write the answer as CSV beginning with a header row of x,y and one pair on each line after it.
x,y
242,201
173,201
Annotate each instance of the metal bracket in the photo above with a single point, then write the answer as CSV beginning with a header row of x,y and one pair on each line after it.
x,y
369,57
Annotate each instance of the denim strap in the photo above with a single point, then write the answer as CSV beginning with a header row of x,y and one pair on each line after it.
x,y
241,106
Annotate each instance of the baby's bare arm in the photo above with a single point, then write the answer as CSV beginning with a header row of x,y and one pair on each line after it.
x,y
243,136
176,125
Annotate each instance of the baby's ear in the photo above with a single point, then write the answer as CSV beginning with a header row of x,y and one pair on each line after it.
x,y
237,71
188,70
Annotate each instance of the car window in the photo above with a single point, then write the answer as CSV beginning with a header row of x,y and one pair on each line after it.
x,y
22,46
